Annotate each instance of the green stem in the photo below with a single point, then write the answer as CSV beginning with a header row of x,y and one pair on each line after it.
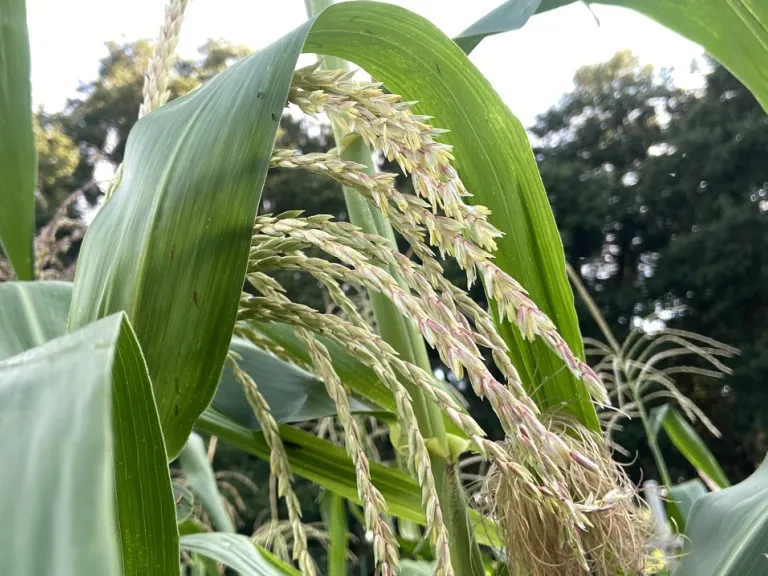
x,y
338,526
653,444
403,336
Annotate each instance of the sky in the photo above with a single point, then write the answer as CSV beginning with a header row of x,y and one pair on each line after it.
x,y
530,68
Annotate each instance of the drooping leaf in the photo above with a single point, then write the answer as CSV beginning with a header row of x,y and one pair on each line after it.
x,y
79,409
681,500
329,466
18,159
413,58
508,16
727,531
171,245
237,552
201,480
293,394
31,314
184,500
688,442
735,32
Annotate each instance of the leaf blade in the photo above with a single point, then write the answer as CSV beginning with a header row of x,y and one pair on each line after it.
x,y
237,552
727,530
33,313
18,158
71,463
689,443
504,18
193,460
171,246
146,512
681,500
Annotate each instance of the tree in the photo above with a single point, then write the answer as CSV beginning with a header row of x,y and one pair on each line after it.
x,y
658,194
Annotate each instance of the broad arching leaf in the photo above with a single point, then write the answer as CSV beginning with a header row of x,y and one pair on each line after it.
x,y
18,159
508,16
727,531
171,245
735,32
415,59
85,483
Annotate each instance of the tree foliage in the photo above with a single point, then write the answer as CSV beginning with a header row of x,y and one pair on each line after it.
x,y
661,197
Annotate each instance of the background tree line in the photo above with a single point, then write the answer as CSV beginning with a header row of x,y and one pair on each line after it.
x,y
660,194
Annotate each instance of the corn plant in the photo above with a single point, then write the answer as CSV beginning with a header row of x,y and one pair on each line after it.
x,y
174,321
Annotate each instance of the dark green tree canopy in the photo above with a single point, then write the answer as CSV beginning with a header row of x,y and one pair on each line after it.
x,y
661,197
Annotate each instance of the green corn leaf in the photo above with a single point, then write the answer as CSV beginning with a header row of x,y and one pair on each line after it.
x,y
504,18
293,394
237,552
85,429
193,460
688,442
31,314
681,499
727,531
735,32
329,466
18,159
171,246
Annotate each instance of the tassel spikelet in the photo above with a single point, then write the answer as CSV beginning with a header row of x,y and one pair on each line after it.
x,y
155,91
278,464
560,486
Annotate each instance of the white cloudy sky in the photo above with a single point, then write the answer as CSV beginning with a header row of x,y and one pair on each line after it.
x,y
530,68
